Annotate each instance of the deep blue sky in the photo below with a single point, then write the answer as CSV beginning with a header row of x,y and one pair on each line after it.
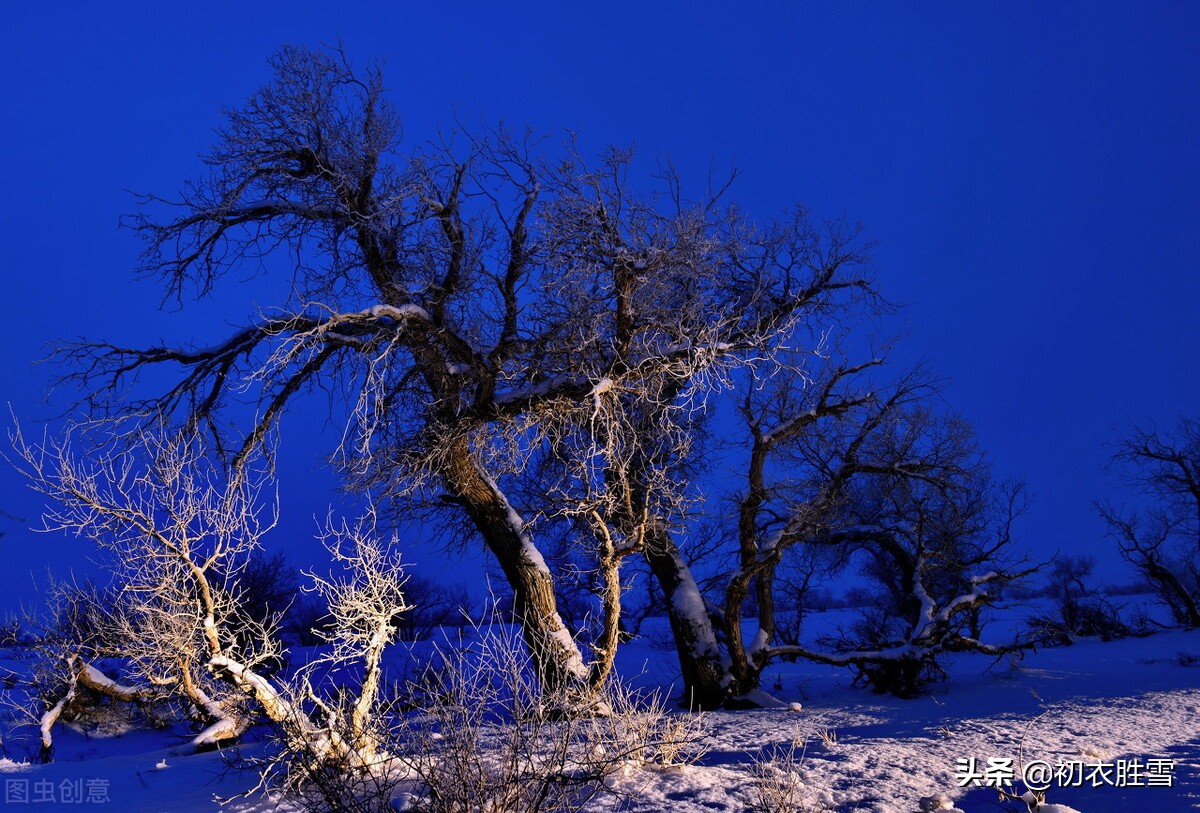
x,y
1030,172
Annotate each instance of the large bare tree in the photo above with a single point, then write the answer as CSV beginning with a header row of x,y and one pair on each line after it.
x,y
472,303
835,464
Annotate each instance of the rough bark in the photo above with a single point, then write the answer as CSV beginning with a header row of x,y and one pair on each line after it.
x,y
705,679
556,657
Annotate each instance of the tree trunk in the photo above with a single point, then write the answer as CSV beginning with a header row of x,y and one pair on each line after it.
x,y
705,678
556,657
746,664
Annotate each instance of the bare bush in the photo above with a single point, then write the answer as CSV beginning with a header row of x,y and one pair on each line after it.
x,y
264,590
1078,608
71,654
781,783
178,528
335,730
12,634
307,621
170,525
472,730
486,737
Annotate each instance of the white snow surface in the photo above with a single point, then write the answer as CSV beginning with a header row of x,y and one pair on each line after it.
x,y
852,750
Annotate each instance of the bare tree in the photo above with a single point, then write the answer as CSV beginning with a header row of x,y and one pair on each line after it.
x,y
940,562
873,475
168,529
1162,541
72,636
821,438
365,604
478,307
176,529
432,606
781,415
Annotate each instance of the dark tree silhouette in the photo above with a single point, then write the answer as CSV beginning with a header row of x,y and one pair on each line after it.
x,y
1162,540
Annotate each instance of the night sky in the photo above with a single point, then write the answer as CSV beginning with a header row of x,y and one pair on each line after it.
x,y
1029,172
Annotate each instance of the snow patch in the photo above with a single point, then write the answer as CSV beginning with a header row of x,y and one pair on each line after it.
x,y
763,700
399,312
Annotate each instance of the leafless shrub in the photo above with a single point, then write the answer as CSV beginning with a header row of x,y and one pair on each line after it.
x,y
74,669
307,621
12,634
782,784
1079,610
263,590
487,738
179,530
173,528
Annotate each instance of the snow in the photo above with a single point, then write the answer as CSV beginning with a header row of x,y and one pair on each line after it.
x,y
602,386
98,678
760,643
1137,698
399,312
763,700
537,390
689,603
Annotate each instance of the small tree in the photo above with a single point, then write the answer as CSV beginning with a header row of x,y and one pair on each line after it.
x,y
431,605
172,529
936,560
76,632
1162,540
875,477
177,527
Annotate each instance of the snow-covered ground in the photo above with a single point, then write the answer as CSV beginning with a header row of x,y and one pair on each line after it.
x,y
1128,707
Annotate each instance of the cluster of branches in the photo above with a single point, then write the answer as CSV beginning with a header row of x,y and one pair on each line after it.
x,y
177,532
881,480
527,349
1162,540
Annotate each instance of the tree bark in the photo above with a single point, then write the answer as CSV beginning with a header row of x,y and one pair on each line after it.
x,y
556,657
705,677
